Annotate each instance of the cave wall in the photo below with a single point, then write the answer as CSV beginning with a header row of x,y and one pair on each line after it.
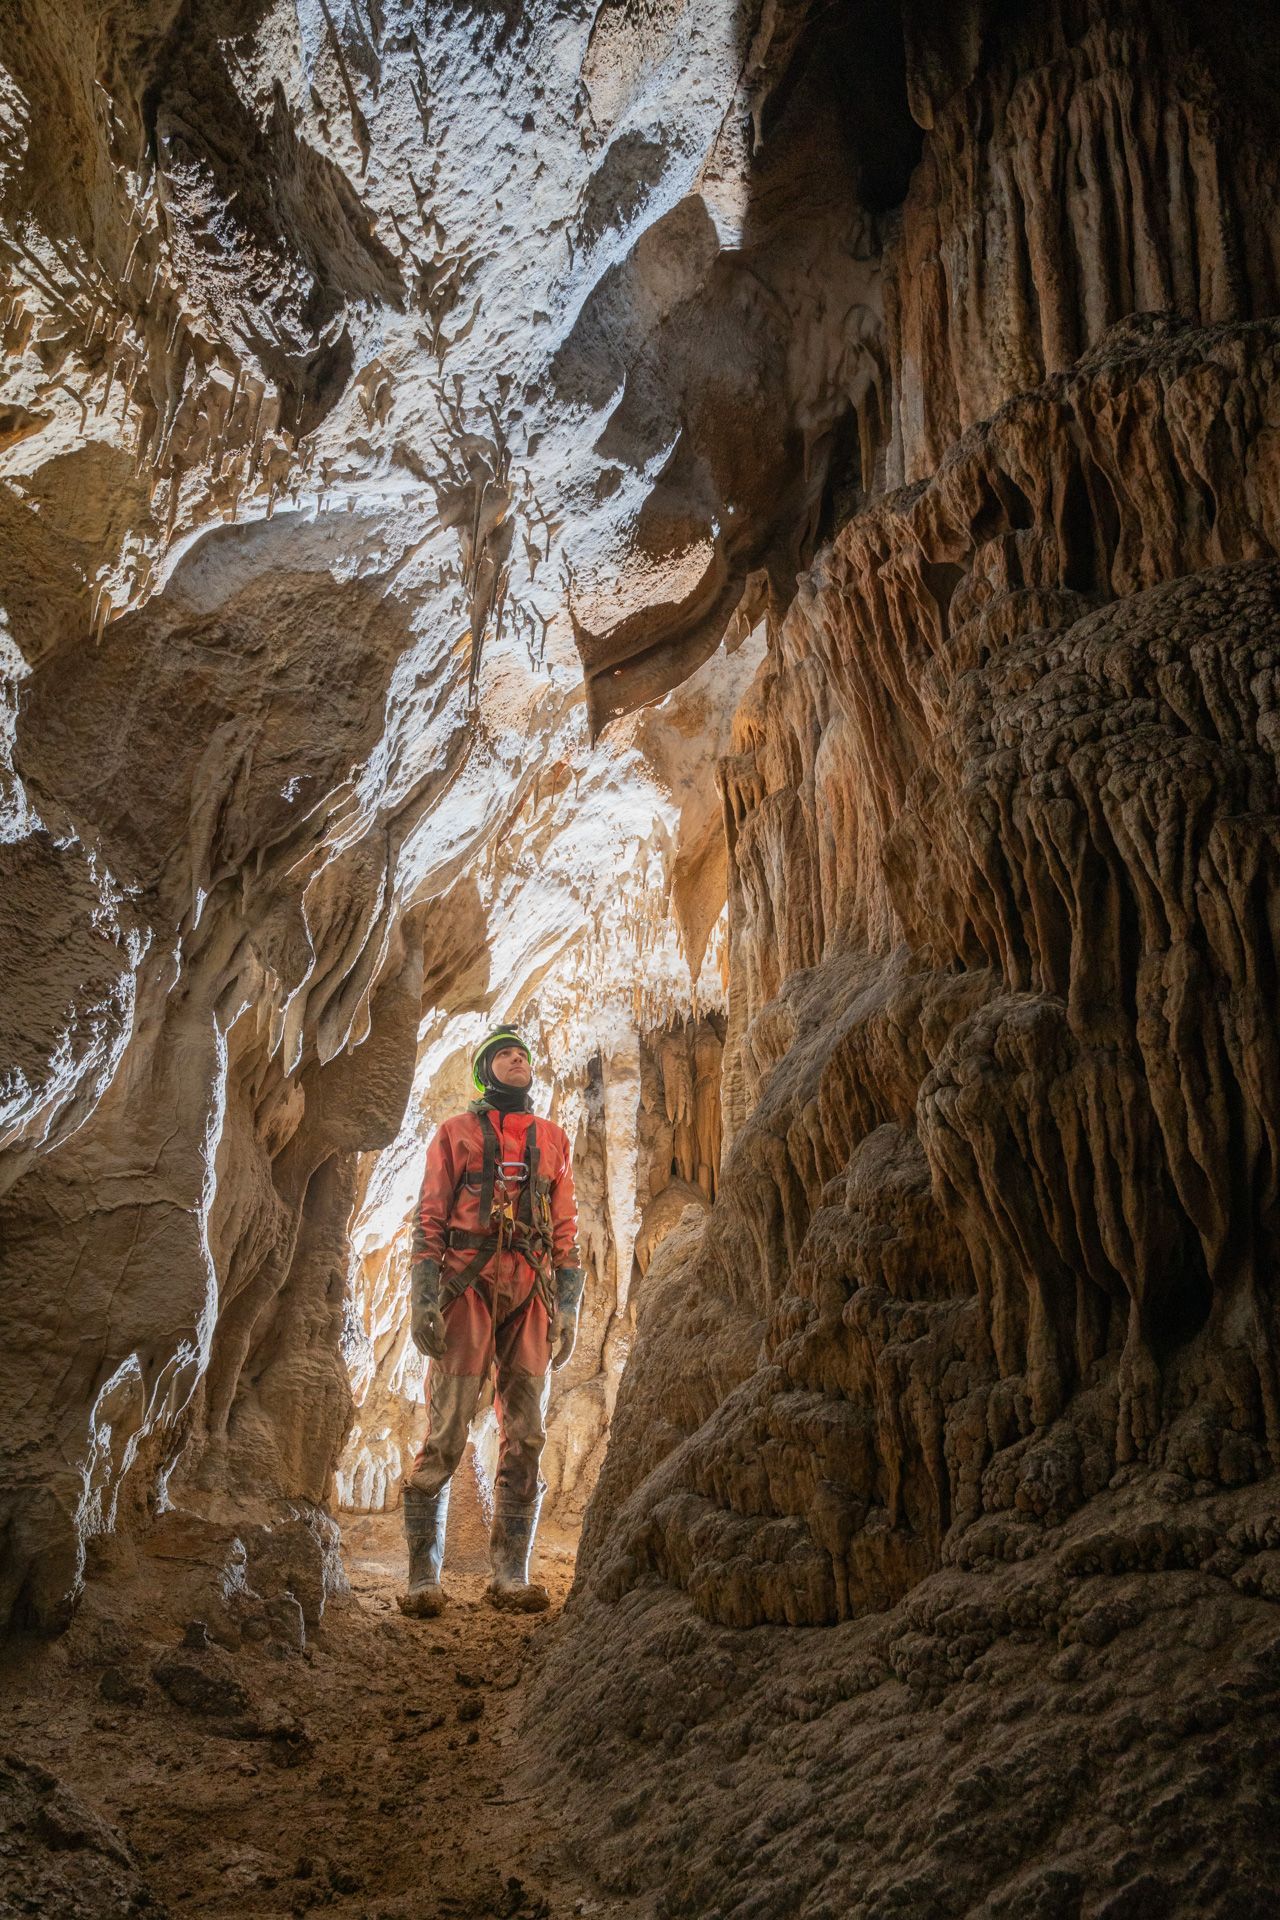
x,y
1007,1138
999,828
972,1364
319,485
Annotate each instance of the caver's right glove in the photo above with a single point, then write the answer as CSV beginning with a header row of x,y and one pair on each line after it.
x,y
426,1322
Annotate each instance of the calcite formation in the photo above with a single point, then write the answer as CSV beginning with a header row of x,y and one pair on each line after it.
x,y
976,1352
746,538
981,1208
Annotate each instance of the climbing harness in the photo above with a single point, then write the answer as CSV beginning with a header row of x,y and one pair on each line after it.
x,y
520,1222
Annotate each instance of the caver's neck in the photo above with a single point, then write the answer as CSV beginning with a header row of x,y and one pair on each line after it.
x,y
503,1101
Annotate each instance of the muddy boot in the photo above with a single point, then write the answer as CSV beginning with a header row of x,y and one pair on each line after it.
x,y
509,1544
425,1518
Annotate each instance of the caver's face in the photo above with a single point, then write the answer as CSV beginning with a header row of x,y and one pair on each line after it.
x,y
510,1067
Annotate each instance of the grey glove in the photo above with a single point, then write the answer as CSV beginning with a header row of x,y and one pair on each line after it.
x,y
426,1322
569,1284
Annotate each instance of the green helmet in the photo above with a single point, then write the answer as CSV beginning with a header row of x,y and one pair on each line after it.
x,y
500,1037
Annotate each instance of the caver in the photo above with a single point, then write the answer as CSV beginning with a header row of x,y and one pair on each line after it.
x,y
496,1284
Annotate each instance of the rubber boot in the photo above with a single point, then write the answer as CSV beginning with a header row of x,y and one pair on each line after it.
x,y
426,1516
510,1542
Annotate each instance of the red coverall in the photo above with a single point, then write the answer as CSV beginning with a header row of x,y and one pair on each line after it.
x,y
501,1312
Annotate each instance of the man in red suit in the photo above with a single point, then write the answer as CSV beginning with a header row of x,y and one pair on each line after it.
x,y
496,1283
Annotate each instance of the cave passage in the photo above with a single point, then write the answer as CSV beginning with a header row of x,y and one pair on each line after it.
x,y
740,539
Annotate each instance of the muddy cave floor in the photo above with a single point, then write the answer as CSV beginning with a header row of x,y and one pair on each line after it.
x,y
380,1772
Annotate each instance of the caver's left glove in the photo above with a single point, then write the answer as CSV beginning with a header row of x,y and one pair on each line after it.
x,y
426,1323
569,1284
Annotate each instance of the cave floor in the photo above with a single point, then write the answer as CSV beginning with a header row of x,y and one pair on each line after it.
x,y
381,1772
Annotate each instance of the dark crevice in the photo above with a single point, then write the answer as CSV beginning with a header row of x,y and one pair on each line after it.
x,y
853,52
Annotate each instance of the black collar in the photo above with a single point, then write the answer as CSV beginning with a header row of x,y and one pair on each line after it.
x,y
503,1100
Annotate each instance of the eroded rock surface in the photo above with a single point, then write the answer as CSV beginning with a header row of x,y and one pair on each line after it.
x,y
61,1856
402,406
982,1314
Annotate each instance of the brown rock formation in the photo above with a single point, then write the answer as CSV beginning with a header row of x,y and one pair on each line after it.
x,y
987,1282
1075,785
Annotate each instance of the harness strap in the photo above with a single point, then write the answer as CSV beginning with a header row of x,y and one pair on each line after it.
x,y
525,1203
463,1240
457,1283
488,1169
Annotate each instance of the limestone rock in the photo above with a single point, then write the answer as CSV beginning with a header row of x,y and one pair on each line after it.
x,y
291,405
201,1682
402,408
982,1310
